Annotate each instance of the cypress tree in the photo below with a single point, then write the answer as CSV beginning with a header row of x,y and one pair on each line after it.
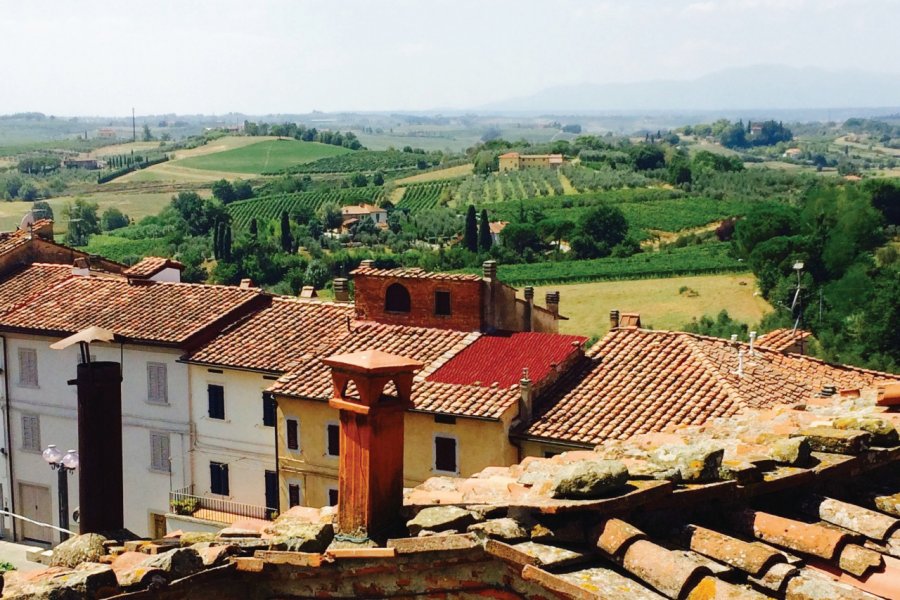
x,y
286,240
254,228
470,239
217,241
485,241
226,243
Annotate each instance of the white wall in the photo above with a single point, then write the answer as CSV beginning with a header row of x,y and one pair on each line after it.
x,y
240,440
146,490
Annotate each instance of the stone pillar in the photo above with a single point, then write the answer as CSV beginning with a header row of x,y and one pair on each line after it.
x,y
100,486
370,477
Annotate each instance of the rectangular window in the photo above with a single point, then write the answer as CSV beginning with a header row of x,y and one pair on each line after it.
x,y
294,494
332,496
271,483
157,384
442,303
216,395
28,374
445,454
293,434
31,433
333,441
268,410
159,452
218,478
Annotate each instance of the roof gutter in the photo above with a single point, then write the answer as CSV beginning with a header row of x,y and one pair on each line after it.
x,y
521,437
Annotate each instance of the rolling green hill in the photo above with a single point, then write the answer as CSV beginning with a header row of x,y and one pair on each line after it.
x,y
263,157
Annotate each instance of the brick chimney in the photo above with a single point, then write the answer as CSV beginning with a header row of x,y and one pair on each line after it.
x,y
341,289
370,479
246,283
613,319
81,267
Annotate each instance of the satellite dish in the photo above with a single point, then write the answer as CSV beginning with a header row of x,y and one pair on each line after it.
x,y
27,220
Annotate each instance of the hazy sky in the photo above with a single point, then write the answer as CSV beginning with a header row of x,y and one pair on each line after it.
x,y
91,57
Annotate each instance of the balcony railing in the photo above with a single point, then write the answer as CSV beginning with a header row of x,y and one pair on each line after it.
x,y
183,501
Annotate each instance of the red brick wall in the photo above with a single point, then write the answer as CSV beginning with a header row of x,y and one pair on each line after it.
x,y
465,302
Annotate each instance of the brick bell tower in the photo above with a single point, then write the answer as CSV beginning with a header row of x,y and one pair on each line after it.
x,y
370,480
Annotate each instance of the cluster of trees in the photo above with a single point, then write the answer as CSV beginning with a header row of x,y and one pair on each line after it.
x,y
306,134
82,220
38,165
226,192
849,282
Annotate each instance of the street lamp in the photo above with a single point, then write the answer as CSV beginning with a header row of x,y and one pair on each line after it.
x,y
63,464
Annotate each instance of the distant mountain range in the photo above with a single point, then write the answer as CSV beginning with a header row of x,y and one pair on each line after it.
x,y
755,87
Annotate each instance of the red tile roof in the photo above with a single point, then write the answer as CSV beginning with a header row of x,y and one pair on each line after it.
x,y
312,379
499,359
20,287
279,336
782,339
638,381
147,267
414,273
167,313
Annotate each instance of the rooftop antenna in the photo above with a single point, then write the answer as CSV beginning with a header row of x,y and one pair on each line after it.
x,y
796,304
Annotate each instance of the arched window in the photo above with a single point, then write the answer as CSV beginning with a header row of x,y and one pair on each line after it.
x,y
396,299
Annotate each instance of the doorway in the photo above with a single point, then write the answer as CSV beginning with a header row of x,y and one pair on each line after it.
x,y
35,502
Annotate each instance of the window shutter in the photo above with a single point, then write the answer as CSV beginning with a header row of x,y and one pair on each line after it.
x,y
216,395
294,495
334,440
268,410
157,386
293,443
31,432
159,451
28,367
224,470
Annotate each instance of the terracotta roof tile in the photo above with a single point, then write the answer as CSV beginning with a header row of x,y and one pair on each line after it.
x,y
782,339
279,336
169,313
413,273
638,381
20,287
499,359
147,267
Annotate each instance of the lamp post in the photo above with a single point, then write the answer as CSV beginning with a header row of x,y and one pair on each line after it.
x,y
63,464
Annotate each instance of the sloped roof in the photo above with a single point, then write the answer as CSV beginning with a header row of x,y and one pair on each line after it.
x,y
151,265
782,339
28,282
637,381
312,379
167,313
499,359
279,336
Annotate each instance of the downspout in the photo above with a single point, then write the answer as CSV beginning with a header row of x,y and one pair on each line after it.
x,y
7,442
277,459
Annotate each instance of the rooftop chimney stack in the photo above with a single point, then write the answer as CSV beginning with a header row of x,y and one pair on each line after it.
x,y
489,269
613,319
526,399
341,289
367,263
81,267
752,341
246,283
527,314
529,294
370,476
552,301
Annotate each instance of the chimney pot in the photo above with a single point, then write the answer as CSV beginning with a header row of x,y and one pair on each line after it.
x,y
529,294
489,269
613,319
341,289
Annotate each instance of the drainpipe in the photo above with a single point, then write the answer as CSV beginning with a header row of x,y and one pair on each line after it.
x,y
8,441
278,461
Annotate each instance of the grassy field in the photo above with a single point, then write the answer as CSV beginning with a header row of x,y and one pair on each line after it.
x,y
661,304
265,156
133,204
126,148
448,173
